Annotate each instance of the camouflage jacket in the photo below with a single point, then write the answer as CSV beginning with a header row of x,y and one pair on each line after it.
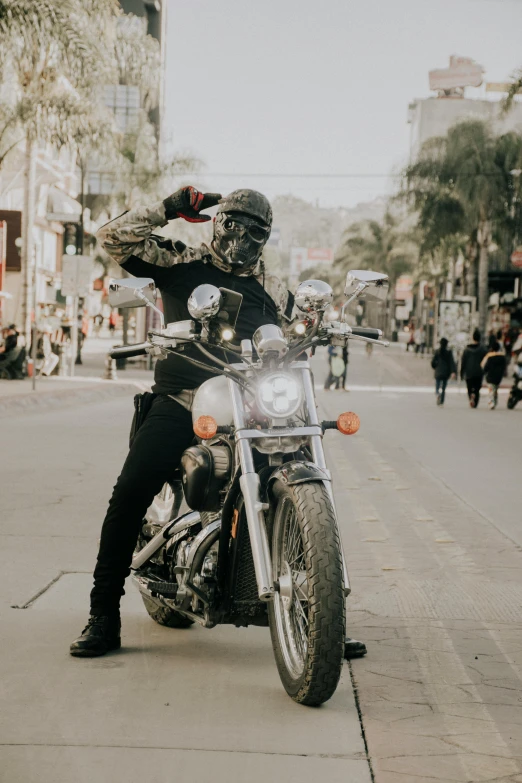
x,y
131,234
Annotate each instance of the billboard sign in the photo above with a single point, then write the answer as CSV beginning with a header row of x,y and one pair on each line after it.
x,y
462,72
454,322
500,87
303,258
403,297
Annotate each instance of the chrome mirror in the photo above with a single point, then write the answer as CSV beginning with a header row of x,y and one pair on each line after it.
x,y
205,302
132,292
374,284
313,296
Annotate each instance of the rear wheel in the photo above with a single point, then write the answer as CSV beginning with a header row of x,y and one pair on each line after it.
x,y
307,615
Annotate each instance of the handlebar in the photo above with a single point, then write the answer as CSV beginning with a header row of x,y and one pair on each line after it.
x,y
363,331
127,351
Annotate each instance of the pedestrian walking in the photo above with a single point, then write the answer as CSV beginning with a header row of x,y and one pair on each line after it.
x,y
419,337
83,331
113,318
471,368
98,323
337,367
444,365
411,339
494,366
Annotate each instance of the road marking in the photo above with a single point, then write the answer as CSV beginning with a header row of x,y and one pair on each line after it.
x,y
405,389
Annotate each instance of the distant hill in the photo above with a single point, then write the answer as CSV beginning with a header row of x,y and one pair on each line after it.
x,y
302,224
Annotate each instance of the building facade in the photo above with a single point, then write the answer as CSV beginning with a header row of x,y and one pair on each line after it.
x,y
430,117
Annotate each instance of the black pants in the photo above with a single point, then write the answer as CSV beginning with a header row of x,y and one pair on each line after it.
x,y
339,380
440,389
474,385
154,456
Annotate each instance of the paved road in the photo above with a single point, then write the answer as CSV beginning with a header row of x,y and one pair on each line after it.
x,y
431,527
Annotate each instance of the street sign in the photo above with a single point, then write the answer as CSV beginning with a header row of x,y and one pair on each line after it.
x,y
516,258
76,275
303,258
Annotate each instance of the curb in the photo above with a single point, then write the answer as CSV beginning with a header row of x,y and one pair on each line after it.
x,y
49,400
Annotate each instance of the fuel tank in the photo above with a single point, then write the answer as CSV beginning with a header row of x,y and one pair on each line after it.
x,y
213,399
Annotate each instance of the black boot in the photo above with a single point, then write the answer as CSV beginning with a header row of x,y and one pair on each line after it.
x,y
354,649
101,634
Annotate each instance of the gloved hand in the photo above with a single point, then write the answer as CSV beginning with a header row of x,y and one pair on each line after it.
x,y
187,203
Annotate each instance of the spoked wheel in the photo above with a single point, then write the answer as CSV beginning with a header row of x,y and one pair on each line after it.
x,y
307,615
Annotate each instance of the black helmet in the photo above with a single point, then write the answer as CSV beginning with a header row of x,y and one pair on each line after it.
x,y
251,202
241,230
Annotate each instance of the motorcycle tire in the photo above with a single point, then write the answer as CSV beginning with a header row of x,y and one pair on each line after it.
x,y
307,615
165,616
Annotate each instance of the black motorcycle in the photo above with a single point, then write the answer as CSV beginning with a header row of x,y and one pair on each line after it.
x,y
260,545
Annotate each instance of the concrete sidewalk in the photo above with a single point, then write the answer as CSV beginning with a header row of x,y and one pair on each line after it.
x,y
172,705
86,386
54,393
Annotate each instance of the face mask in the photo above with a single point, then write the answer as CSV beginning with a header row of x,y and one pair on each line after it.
x,y
239,239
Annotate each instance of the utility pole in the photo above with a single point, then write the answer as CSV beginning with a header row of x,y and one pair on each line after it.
x,y
27,250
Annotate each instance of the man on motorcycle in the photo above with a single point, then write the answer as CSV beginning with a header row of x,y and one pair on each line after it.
x,y
232,260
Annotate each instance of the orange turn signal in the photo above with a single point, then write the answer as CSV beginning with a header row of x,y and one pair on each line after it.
x,y
348,423
205,427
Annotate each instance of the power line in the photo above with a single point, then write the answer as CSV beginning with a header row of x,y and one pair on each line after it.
x,y
280,175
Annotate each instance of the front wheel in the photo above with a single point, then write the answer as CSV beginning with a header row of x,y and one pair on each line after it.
x,y
307,615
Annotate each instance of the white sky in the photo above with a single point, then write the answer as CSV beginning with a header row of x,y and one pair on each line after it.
x,y
317,86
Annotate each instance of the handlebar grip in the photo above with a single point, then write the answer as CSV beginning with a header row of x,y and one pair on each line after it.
x,y
128,351
363,331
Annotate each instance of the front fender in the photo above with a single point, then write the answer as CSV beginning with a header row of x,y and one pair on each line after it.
x,y
297,473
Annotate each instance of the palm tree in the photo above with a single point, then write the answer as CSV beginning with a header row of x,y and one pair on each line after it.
x,y
464,184
53,52
380,245
383,246
514,89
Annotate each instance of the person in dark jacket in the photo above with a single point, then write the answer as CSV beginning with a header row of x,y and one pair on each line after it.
x,y
444,365
337,368
471,370
494,366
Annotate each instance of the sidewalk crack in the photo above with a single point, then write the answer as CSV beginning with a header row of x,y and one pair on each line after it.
x,y
45,588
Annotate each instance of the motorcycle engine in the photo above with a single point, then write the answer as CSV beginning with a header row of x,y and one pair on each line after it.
x,y
181,558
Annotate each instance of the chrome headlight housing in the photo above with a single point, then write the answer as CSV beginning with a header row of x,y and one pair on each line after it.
x,y
279,395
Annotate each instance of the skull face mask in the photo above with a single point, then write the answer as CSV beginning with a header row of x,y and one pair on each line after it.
x,y
241,229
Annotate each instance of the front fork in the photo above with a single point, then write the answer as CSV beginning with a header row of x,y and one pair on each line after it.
x,y
250,488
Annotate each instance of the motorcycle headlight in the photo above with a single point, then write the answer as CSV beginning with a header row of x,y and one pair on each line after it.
x,y
279,395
